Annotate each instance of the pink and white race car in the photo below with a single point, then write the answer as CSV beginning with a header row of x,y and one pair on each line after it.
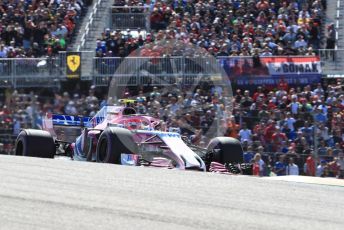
x,y
117,135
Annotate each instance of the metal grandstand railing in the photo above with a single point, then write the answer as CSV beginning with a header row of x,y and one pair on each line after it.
x,y
332,62
95,13
28,72
130,17
154,70
49,72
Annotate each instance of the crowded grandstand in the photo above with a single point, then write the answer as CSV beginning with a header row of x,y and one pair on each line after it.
x,y
225,28
287,117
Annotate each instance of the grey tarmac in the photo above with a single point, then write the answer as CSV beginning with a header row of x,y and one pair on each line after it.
x,y
59,194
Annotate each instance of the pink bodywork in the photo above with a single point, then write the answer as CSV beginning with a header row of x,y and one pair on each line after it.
x,y
114,115
148,132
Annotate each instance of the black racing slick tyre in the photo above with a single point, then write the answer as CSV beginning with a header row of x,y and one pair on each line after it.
x,y
226,150
35,143
113,142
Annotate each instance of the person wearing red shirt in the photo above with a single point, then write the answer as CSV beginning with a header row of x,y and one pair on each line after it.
x,y
69,24
277,138
310,166
155,19
259,92
271,105
259,128
268,132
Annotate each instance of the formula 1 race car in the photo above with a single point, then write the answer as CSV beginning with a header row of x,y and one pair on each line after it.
x,y
118,135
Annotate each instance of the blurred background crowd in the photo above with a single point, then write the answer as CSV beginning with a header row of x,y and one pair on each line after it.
x,y
302,124
224,28
284,130
38,28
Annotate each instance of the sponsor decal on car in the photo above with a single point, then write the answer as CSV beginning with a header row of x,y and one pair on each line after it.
x,y
129,159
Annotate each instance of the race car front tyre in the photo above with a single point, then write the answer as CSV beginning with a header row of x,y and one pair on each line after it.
x,y
226,150
112,143
35,143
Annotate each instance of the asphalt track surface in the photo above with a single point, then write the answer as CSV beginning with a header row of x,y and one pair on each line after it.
x,y
58,194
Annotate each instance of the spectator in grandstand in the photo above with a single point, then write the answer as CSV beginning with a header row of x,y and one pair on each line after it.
x,y
259,162
277,138
232,128
321,168
287,28
333,168
207,121
70,108
319,116
331,41
310,165
337,149
203,99
319,90
47,24
310,52
340,163
245,134
280,166
307,132
322,133
292,169
248,155
173,106
290,121
268,132
246,101
2,150
91,100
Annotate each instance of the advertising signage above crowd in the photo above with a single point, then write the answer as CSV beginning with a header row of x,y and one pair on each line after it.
x,y
292,65
269,70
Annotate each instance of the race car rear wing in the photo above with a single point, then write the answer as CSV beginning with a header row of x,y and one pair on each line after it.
x,y
65,127
69,120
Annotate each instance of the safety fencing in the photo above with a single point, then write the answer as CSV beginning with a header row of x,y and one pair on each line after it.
x,y
332,62
154,70
49,72
190,70
130,17
30,72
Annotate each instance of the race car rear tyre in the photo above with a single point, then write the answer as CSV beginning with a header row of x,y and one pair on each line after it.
x,y
35,143
226,150
112,143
